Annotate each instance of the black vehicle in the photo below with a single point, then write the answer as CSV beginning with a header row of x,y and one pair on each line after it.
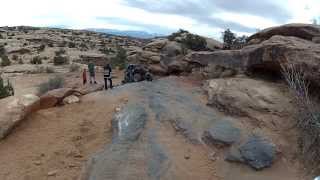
x,y
136,73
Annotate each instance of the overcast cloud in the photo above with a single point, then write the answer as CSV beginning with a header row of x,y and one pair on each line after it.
x,y
205,17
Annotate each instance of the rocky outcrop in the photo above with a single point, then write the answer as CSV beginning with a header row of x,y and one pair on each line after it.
x,y
55,97
303,31
248,97
14,110
71,100
256,152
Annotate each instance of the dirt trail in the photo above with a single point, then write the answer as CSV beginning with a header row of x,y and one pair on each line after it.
x,y
57,140
157,135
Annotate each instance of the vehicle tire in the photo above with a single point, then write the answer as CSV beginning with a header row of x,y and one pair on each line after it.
x,y
137,77
148,77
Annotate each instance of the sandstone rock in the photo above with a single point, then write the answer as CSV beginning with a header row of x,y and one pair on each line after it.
x,y
248,97
256,152
89,89
54,97
156,45
304,31
71,100
53,173
213,44
172,49
157,70
222,133
14,110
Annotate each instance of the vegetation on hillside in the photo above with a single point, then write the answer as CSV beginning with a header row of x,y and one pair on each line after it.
x,y
308,120
120,60
53,83
232,41
189,40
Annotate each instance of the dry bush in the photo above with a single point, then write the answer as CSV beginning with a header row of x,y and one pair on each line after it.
x,y
53,83
308,120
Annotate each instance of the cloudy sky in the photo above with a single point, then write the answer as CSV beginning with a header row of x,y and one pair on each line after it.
x,y
205,17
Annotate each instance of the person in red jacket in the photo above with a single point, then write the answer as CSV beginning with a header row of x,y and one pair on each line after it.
x,y
84,76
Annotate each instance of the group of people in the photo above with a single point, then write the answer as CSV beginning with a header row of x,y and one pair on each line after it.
x,y
107,75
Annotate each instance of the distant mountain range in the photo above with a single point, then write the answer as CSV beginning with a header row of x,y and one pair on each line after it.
x,y
135,34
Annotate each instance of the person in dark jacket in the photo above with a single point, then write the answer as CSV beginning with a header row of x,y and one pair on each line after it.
x,y
107,76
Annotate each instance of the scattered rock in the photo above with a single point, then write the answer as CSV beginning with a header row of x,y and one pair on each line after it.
x,y
38,163
55,97
71,100
222,133
53,173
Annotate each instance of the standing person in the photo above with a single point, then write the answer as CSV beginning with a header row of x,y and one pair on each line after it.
x,y
92,72
84,76
107,76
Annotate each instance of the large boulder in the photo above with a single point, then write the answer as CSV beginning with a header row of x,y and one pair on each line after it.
x,y
266,58
172,49
213,44
256,152
14,110
55,97
248,97
303,31
156,45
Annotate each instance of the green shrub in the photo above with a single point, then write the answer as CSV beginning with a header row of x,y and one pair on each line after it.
x,y
50,70
41,48
60,60
74,68
120,60
36,60
231,41
173,36
60,52
50,45
195,42
5,90
20,61
15,57
5,61
53,83
72,45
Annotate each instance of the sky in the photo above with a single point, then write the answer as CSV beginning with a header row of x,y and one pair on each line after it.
x,y
204,17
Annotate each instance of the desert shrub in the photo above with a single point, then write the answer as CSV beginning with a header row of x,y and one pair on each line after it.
x,y
15,57
308,119
72,45
120,60
49,70
63,44
173,36
53,83
231,41
5,89
25,44
50,45
195,42
74,68
36,60
60,52
41,48
5,61
60,60
2,51
20,61
1,36
83,46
